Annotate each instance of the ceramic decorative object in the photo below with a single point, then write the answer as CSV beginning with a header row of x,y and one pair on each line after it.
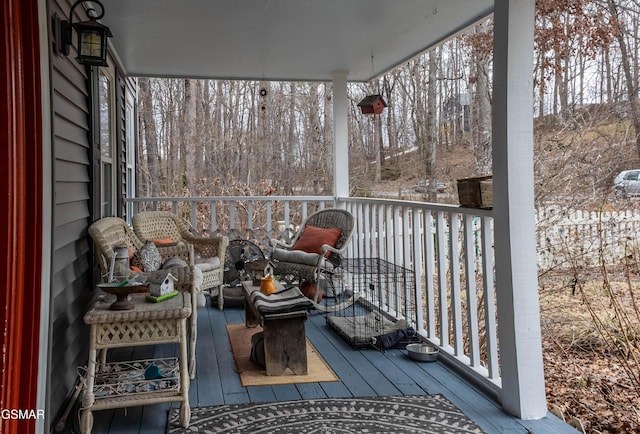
x,y
267,285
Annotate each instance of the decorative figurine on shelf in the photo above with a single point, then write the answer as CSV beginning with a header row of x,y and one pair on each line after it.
x,y
161,284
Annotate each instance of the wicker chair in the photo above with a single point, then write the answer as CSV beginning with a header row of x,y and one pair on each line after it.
x,y
308,266
208,252
110,232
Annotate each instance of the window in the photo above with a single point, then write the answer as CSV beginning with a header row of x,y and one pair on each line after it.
x,y
130,132
107,145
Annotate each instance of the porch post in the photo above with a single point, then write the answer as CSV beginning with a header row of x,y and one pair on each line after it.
x,y
523,391
340,135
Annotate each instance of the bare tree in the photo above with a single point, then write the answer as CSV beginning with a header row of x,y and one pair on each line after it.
x,y
149,140
429,153
190,141
625,58
481,54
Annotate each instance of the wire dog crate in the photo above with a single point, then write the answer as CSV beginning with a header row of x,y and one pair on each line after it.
x,y
384,301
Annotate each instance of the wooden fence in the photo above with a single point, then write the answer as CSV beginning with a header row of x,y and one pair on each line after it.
x,y
568,237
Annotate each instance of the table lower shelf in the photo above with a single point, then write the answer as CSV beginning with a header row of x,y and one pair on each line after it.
x,y
126,380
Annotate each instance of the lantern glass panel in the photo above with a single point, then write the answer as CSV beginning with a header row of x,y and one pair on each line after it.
x,y
90,44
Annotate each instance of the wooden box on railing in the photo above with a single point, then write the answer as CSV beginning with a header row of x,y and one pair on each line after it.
x,y
476,192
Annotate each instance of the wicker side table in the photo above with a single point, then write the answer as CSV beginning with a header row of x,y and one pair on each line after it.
x,y
126,384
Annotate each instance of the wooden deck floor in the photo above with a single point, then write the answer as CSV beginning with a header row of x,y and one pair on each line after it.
x,y
364,372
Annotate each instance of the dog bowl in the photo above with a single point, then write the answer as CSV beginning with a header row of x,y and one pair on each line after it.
x,y
423,352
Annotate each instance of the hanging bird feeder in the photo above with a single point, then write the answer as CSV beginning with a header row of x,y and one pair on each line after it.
x,y
372,105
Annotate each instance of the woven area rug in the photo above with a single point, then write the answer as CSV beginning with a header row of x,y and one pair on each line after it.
x,y
252,374
393,414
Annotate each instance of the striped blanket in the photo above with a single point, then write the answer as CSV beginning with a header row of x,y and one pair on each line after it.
x,y
284,301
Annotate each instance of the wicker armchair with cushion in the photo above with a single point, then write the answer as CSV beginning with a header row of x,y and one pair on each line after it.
x,y
111,232
315,249
167,229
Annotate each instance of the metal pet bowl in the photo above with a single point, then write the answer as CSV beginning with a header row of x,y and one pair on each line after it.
x,y
423,352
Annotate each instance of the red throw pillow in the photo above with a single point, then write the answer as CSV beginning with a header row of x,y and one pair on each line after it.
x,y
163,241
309,290
312,239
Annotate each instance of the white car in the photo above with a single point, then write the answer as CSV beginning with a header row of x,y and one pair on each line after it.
x,y
627,183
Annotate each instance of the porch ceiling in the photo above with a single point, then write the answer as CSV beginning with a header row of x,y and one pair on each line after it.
x,y
301,40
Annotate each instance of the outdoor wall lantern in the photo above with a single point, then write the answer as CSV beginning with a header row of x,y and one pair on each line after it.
x,y
92,36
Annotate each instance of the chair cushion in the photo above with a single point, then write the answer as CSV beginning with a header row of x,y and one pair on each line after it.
x,y
163,242
208,264
313,238
174,262
300,257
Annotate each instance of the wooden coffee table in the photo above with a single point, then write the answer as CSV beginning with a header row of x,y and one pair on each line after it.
x,y
282,316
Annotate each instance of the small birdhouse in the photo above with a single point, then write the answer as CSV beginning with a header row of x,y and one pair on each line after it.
x,y
161,284
372,105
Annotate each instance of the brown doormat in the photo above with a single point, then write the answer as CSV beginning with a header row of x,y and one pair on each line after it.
x,y
252,374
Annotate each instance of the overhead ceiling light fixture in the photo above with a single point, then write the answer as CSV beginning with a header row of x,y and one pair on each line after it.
x,y
92,36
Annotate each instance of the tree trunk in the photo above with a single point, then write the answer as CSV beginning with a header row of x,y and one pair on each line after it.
x,y
190,137
430,140
626,66
482,134
148,184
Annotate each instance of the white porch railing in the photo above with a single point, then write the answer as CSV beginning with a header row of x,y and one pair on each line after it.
x,y
452,259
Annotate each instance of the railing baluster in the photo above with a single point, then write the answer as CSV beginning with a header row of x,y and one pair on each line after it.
x,y
490,327
395,238
429,262
456,301
382,235
405,261
417,266
194,215
213,218
470,277
443,308
249,214
268,224
232,215
358,218
366,230
287,220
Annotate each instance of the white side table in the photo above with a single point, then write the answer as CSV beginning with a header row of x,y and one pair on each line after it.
x,y
123,384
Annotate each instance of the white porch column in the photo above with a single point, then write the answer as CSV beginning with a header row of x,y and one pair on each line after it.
x,y
523,392
340,135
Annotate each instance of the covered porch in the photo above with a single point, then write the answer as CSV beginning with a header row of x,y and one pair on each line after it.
x,y
460,263
280,40
440,245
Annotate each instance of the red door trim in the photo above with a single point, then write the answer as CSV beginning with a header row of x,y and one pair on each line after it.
x,y
21,221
